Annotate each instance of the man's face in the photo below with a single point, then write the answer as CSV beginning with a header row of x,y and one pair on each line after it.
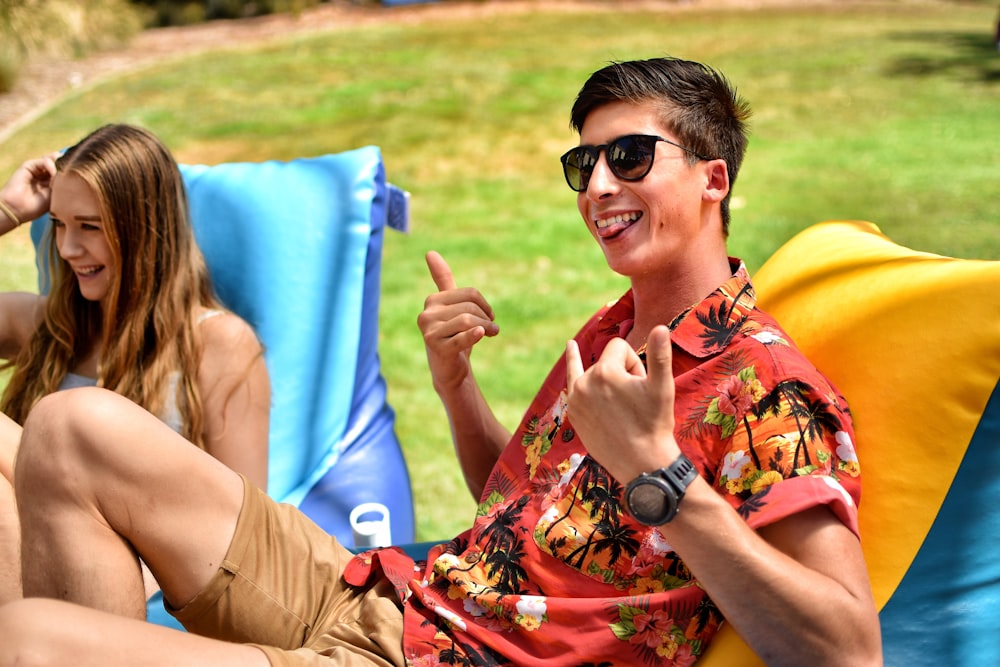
x,y
645,226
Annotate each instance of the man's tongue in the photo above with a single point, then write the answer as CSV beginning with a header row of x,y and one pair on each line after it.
x,y
615,224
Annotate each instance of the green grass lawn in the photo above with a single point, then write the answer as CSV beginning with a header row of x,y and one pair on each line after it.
x,y
883,111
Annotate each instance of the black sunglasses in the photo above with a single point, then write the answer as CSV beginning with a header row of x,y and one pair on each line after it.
x,y
630,158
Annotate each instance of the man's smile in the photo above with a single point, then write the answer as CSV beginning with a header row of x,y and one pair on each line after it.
x,y
613,224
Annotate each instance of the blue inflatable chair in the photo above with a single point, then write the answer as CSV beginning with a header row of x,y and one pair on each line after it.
x,y
912,339
295,248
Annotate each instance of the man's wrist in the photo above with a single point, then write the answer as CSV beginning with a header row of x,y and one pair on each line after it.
x,y
654,498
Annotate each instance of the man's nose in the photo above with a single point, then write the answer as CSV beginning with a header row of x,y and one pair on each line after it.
x,y
602,180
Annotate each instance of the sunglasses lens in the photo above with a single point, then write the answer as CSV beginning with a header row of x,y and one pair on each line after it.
x,y
578,165
631,158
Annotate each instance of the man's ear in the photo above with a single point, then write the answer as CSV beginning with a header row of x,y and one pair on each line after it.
x,y
716,180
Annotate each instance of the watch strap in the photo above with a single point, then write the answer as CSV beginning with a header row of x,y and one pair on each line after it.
x,y
680,474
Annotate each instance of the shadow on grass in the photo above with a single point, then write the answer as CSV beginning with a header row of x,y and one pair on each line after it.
x,y
972,56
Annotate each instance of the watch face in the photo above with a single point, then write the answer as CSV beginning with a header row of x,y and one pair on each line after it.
x,y
651,501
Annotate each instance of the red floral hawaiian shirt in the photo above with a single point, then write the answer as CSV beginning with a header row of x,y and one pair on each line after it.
x,y
553,570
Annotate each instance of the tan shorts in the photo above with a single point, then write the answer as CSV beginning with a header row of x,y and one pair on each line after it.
x,y
280,589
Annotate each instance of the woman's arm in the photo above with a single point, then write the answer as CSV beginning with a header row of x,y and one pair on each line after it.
x,y
236,396
20,315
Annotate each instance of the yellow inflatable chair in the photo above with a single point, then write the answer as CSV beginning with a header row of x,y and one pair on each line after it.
x,y
913,340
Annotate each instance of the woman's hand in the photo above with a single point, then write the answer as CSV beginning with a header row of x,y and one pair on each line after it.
x,y
28,191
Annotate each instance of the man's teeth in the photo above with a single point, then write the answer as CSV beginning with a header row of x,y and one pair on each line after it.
x,y
617,220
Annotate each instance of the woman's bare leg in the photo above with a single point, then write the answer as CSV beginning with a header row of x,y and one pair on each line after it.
x,y
98,481
10,545
50,632
10,436
10,529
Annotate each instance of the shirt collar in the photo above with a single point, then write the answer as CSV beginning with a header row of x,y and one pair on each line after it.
x,y
703,329
706,328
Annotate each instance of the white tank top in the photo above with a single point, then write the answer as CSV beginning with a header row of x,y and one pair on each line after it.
x,y
171,415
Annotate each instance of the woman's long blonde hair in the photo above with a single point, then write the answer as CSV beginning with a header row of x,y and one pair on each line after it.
x,y
149,328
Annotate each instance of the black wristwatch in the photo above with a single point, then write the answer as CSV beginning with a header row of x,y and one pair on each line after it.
x,y
653,498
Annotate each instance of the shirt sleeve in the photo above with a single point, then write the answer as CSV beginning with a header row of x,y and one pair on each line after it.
x,y
790,448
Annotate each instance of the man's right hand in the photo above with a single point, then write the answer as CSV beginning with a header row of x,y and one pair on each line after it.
x,y
453,320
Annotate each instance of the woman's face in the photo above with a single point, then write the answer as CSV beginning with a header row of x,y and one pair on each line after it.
x,y
80,237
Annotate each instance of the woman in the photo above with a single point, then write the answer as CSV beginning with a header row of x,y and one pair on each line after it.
x,y
130,308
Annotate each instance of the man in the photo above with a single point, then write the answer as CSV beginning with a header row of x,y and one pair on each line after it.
x,y
681,464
